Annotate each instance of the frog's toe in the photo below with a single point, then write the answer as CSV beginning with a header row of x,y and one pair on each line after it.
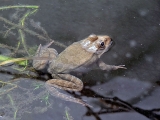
x,y
39,50
121,66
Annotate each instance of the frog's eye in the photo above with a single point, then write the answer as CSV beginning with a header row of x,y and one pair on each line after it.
x,y
102,44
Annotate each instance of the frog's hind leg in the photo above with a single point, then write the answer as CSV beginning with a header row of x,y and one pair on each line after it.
x,y
43,56
53,91
47,45
67,82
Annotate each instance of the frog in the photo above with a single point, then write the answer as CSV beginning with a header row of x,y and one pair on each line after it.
x,y
80,57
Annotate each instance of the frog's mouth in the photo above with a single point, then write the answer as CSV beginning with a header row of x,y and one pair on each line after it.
x,y
110,45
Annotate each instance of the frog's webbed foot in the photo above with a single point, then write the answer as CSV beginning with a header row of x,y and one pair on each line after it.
x,y
43,55
67,82
104,66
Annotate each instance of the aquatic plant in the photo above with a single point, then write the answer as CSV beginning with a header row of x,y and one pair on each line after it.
x,y
12,91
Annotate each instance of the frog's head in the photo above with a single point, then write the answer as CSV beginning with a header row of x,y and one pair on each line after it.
x,y
97,44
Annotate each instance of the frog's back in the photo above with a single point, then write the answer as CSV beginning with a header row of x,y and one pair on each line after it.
x,y
69,59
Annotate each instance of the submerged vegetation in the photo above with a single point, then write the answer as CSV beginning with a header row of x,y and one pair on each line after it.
x,y
17,97
10,91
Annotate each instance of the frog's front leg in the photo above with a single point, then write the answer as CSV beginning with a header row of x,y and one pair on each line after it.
x,y
67,82
104,66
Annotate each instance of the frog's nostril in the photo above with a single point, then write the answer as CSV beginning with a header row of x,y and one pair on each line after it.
x,y
113,43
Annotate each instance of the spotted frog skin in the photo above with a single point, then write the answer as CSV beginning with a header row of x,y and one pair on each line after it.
x,y
78,57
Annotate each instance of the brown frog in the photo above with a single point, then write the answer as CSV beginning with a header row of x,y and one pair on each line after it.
x,y
78,57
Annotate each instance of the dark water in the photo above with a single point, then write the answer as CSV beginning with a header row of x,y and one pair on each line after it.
x,y
127,94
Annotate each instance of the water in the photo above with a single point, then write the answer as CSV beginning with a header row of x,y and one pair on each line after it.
x,y
127,94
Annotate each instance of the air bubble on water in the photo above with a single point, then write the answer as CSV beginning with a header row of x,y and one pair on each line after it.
x,y
128,55
143,12
115,55
60,105
98,83
133,43
35,24
146,92
158,67
106,75
149,58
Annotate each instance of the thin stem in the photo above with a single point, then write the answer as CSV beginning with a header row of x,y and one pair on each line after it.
x,y
11,48
7,32
15,60
15,108
24,66
18,45
20,6
31,32
14,86
22,23
22,37
6,46
22,20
